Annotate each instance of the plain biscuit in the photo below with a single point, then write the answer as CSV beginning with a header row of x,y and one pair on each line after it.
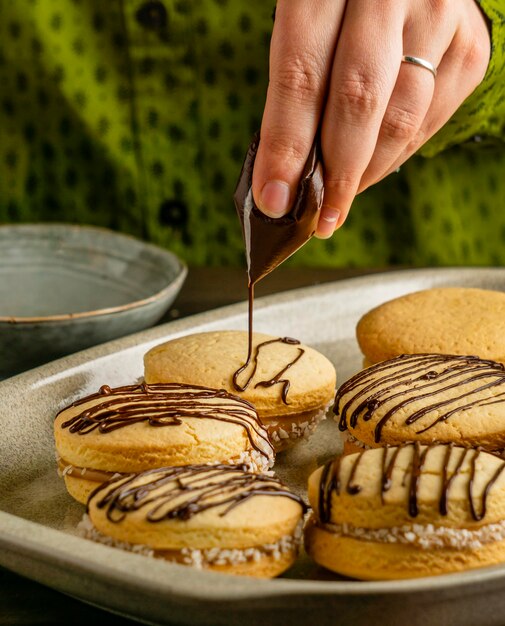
x,y
447,320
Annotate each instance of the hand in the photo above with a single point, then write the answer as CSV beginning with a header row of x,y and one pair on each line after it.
x,y
337,64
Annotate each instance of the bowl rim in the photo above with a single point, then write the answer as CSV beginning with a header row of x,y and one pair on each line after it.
x,y
181,273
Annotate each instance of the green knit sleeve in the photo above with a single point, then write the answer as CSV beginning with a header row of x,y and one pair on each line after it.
x,y
482,116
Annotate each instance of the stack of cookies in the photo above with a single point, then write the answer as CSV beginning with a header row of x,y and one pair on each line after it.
x,y
408,511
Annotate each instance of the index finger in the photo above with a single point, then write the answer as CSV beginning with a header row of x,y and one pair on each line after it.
x,y
302,49
366,66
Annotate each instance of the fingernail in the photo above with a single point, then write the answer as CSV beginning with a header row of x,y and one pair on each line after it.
x,y
274,200
328,221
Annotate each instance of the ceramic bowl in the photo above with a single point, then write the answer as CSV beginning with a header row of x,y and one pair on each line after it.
x,y
64,288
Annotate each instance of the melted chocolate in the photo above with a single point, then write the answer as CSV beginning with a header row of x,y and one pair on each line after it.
x,y
480,515
275,380
270,241
381,384
165,405
183,492
352,487
330,480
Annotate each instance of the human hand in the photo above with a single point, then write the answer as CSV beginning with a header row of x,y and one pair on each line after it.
x,y
337,64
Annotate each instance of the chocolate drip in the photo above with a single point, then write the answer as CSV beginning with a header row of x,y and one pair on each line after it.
x,y
276,380
330,479
183,492
446,479
353,488
380,385
328,484
269,241
387,471
480,515
417,468
166,405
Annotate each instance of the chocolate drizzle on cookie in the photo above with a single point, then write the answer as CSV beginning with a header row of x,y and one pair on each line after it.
x,y
387,470
166,405
275,380
446,479
331,482
426,378
182,492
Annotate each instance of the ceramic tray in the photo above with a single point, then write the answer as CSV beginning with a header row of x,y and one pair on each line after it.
x,y
37,517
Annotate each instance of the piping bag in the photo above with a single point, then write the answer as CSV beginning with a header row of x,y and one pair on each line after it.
x,y
270,241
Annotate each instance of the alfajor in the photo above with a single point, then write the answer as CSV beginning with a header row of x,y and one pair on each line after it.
x,y
290,384
139,427
221,518
426,398
445,320
408,511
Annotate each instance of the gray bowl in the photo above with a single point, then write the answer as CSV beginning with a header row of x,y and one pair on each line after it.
x,y
64,288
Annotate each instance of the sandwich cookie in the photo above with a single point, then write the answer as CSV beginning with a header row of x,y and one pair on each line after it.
x,y
407,512
426,398
444,320
139,427
290,384
221,518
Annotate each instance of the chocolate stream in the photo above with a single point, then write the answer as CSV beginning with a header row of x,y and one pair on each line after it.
x,y
269,242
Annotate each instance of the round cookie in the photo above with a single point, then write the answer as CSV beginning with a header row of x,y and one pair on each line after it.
x,y
219,517
139,427
291,387
446,320
426,398
407,512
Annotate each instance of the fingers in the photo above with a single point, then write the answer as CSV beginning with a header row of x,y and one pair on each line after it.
x,y
365,69
302,49
460,71
345,67
401,126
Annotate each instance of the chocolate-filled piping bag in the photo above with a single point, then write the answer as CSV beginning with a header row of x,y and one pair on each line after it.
x,y
270,241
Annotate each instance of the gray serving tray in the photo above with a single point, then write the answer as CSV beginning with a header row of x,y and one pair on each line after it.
x,y
38,518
